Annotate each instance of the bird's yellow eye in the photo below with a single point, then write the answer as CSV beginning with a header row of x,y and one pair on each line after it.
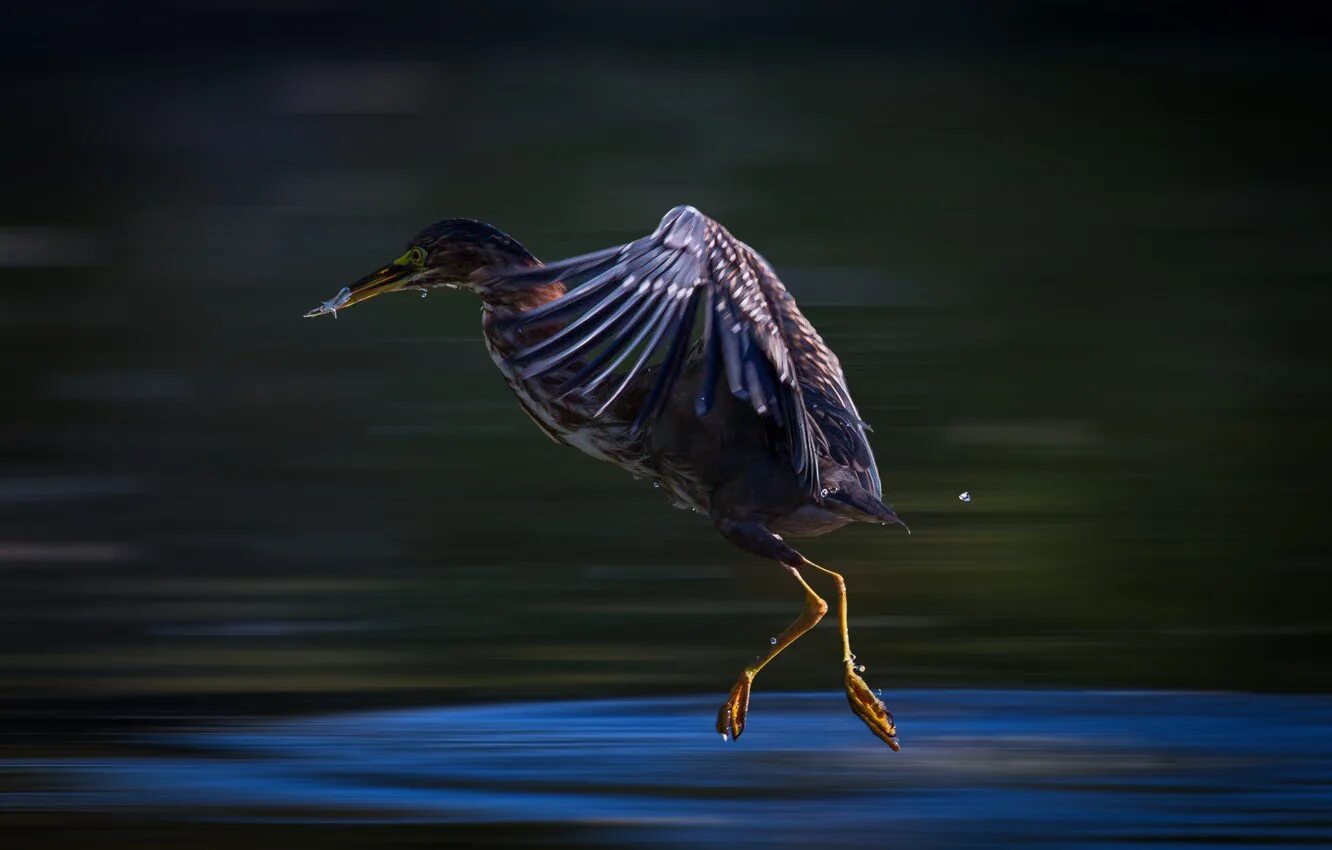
x,y
415,257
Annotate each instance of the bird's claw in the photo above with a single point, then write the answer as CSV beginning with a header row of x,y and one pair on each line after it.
x,y
870,708
731,716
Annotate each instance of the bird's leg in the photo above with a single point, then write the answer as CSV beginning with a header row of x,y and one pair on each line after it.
x,y
867,706
731,716
755,538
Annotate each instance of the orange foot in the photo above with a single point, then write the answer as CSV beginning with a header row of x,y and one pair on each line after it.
x,y
870,708
731,716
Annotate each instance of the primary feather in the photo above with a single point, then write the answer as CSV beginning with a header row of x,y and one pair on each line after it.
x,y
645,297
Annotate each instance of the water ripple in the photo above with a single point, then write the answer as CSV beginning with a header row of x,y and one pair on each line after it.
x,y
983,768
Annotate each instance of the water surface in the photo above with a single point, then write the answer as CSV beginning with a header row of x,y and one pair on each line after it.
x,y
978,768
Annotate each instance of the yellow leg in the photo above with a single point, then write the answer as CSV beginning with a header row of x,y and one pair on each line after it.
x,y
731,717
864,703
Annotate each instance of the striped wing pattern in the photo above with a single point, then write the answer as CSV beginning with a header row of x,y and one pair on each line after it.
x,y
635,307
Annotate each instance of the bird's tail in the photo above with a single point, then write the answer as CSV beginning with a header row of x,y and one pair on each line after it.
x,y
862,507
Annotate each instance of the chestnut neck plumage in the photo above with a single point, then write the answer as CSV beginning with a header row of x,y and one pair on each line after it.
x,y
519,300
498,305
501,299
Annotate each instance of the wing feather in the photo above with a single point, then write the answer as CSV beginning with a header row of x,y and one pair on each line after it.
x,y
644,297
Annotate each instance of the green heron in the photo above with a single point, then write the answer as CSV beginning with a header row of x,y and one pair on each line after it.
x,y
682,358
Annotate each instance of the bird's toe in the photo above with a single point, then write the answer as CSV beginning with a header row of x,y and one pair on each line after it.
x,y
869,708
731,716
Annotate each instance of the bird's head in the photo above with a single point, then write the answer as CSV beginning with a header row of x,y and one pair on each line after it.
x,y
446,254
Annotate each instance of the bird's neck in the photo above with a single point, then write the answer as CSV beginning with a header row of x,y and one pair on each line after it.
x,y
512,300
505,297
508,300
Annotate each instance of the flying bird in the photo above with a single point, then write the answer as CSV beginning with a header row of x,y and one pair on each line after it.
x,y
681,358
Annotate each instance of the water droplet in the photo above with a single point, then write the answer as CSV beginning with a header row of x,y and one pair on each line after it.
x,y
860,669
724,738
656,484
879,693
423,293
772,641
823,492
965,495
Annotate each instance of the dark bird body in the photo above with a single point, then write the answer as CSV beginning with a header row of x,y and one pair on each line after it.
x,y
682,358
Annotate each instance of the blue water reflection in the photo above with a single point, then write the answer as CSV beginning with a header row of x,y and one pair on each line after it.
x,y
979,768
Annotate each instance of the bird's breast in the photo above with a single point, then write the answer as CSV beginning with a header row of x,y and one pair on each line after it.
x,y
566,420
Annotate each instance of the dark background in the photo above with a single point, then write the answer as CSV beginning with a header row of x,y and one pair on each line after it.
x,y
1075,259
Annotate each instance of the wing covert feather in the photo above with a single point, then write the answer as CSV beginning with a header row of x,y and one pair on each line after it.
x,y
646,297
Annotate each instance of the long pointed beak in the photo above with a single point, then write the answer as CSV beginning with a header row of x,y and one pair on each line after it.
x,y
386,279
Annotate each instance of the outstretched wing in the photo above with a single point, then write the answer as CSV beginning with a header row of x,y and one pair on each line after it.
x,y
640,303
842,433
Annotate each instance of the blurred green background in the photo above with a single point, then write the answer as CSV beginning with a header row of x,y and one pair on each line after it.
x,y
1083,279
